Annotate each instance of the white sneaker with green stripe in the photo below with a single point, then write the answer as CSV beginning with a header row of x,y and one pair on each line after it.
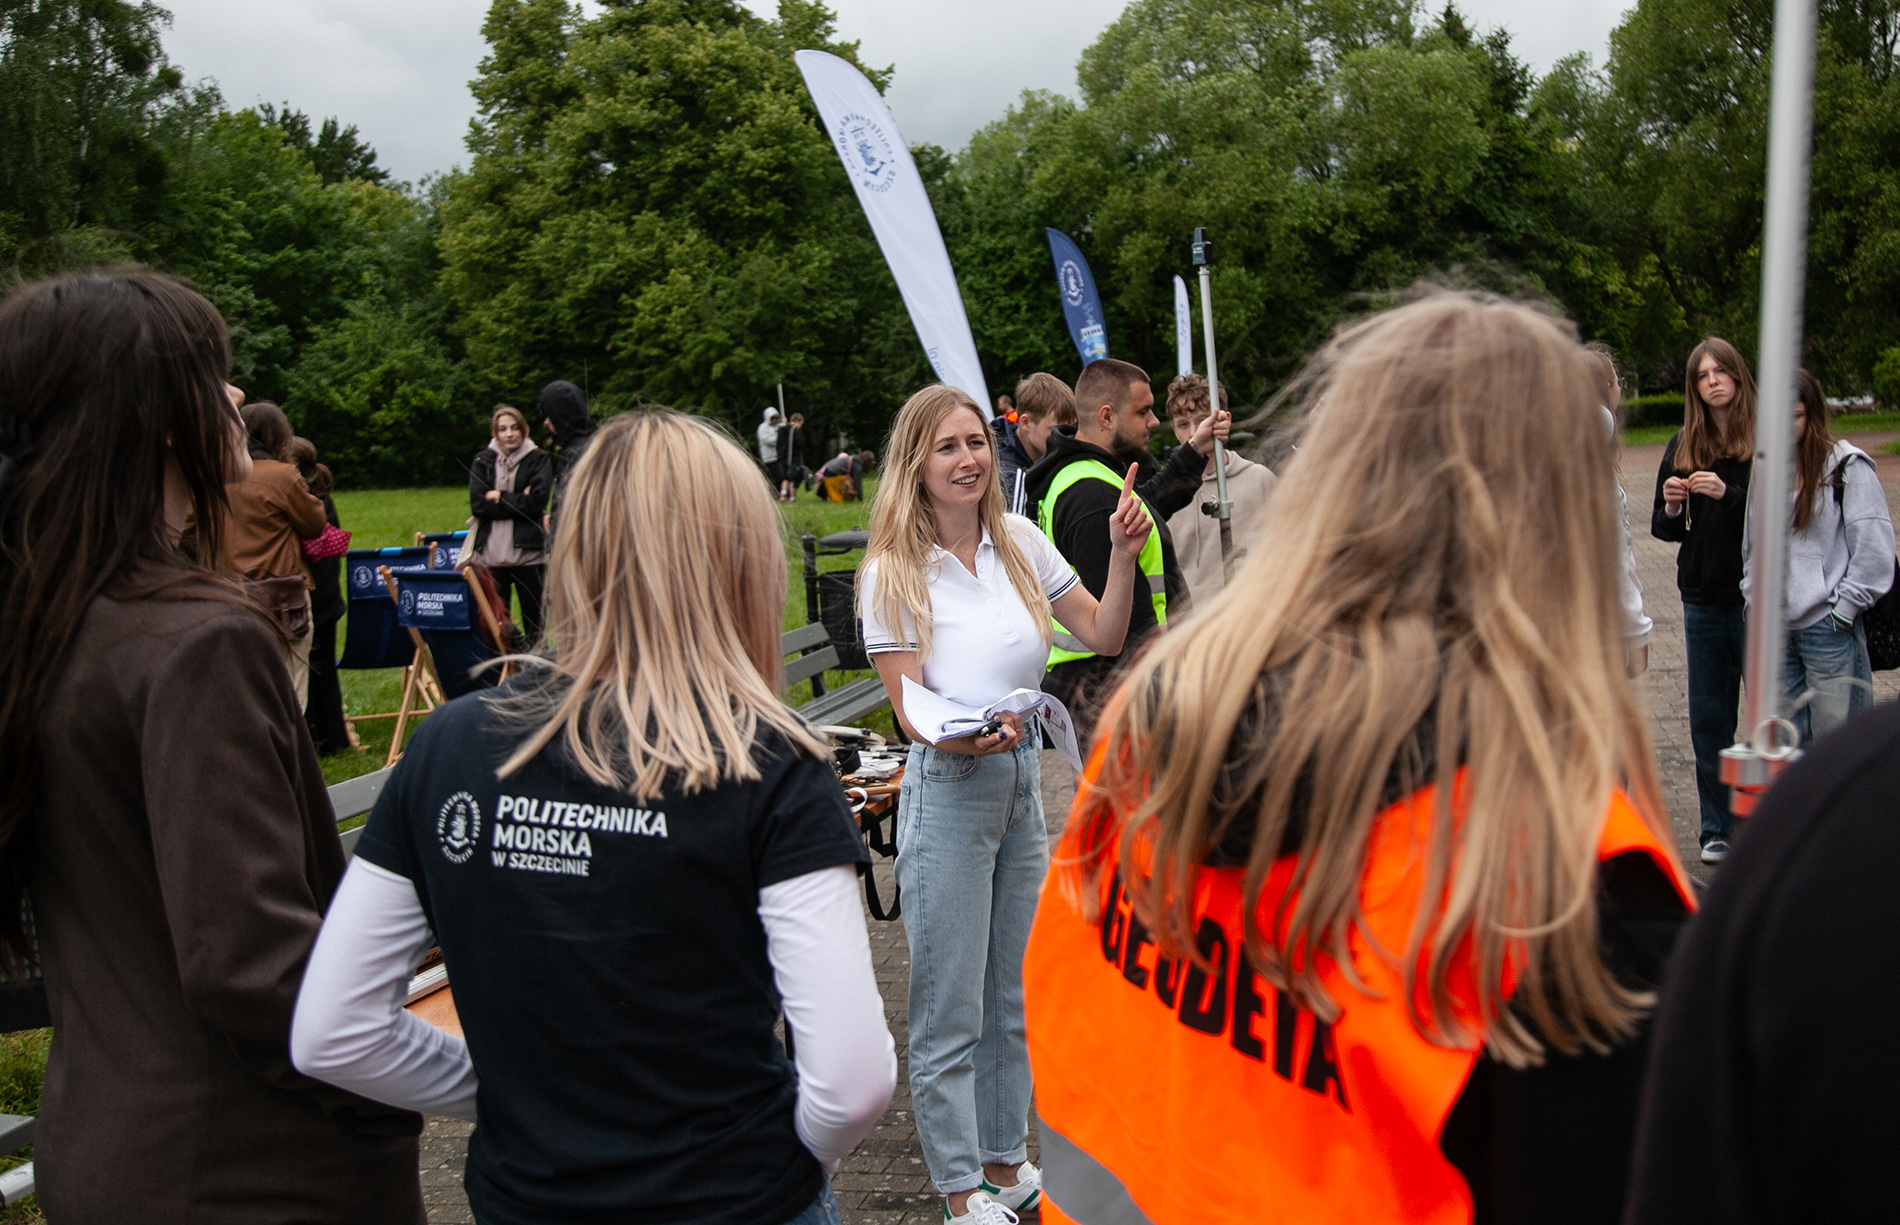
x,y
1024,1195
982,1210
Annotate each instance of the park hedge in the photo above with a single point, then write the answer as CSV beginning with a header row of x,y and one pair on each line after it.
x,y
1643,411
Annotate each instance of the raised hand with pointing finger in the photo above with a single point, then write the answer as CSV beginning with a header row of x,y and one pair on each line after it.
x,y
1129,526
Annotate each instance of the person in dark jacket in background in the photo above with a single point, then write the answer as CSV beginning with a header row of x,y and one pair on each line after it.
x,y
1770,1092
564,414
791,457
1042,403
1702,503
323,709
159,794
508,488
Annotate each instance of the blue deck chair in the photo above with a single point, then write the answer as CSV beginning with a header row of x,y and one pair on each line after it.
x,y
442,610
442,546
371,637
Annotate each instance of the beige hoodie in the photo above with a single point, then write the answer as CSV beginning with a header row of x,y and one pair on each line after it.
x,y
1197,535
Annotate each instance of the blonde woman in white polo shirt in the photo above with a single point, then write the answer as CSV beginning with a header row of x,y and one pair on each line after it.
x,y
957,595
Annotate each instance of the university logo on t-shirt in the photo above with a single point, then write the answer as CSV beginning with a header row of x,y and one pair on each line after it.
x,y
458,827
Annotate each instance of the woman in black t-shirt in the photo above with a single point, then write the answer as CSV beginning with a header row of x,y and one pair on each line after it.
x,y
633,858
1702,503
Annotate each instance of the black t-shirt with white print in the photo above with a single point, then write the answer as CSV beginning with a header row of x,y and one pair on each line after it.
x,y
609,967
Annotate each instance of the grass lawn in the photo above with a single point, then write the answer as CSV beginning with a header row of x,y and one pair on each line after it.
x,y
22,1069
1846,424
381,518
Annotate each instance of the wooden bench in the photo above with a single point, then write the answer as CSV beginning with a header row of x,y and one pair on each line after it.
x,y
849,702
854,700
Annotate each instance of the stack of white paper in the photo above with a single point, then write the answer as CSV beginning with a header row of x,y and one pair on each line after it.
x,y
937,719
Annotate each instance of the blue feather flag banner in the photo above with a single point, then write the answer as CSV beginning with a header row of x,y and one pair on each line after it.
x,y
1081,305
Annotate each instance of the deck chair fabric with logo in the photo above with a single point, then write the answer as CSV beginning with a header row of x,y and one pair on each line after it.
x,y
443,547
371,637
452,626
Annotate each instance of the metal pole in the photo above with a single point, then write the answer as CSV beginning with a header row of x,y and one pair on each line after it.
x,y
1756,757
1221,508
781,402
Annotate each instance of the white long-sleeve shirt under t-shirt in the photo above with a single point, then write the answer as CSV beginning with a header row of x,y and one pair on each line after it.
x,y
352,1030
1629,589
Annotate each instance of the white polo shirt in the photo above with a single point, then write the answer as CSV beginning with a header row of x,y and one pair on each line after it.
x,y
983,641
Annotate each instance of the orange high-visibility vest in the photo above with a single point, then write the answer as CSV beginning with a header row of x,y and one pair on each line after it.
x,y
1169,1095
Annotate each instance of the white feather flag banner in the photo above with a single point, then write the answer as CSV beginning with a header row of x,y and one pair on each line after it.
x,y
1183,331
878,163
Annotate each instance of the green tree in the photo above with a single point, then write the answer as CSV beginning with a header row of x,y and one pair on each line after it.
x,y
335,152
1672,149
1334,152
85,93
279,251
652,207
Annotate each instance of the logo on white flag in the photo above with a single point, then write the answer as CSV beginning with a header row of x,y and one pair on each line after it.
x,y
1071,277
867,152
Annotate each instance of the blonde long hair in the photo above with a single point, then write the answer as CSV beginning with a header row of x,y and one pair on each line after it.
x,y
666,590
904,527
1436,590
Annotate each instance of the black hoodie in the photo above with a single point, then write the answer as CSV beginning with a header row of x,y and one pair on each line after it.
x,y
563,404
1079,525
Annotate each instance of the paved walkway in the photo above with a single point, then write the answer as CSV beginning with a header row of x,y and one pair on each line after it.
x,y
884,1182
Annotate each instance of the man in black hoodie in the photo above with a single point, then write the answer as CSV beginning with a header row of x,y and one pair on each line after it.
x,y
1075,487
564,413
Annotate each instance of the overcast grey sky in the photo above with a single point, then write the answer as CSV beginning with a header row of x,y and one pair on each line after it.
x,y
399,69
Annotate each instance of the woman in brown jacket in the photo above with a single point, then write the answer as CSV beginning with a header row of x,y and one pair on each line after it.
x,y
272,513
160,799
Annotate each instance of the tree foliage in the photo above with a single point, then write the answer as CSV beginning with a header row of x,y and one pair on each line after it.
x,y
652,210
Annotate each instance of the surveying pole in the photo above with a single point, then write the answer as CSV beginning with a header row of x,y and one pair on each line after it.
x,y
1221,508
1767,741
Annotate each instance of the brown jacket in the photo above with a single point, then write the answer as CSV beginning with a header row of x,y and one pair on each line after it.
x,y
186,851
271,515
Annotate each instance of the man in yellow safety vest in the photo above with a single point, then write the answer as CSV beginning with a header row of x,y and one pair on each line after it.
x,y
1075,487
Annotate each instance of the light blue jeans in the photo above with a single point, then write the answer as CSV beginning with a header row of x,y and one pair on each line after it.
x,y
971,854
1828,660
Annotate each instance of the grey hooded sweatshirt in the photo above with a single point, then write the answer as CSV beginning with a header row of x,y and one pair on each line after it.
x,y
1844,560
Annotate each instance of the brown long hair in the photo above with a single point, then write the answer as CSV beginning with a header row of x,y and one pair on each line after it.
x,y
904,526
1601,359
102,375
1810,457
1438,591
268,431
1703,442
666,591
